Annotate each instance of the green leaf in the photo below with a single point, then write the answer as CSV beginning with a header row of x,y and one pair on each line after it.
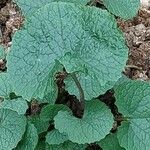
x,y
32,81
41,145
41,121
19,105
12,128
66,146
50,90
91,88
2,53
29,7
50,111
5,86
94,126
87,36
55,137
132,99
40,124
30,139
125,9
110,142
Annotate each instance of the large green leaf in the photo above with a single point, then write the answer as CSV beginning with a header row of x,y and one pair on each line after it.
x,y
81,38
94,126
55,137
32,81
30,139
28,7
110,142
133,101
66,146
48,87
126,9
12,128
19,105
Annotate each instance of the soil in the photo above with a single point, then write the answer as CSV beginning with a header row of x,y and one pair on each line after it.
x,y
10,21
137,35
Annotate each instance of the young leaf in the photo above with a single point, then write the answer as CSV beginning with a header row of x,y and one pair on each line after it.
x,y
5,86
125,9
55,137
28,7
41,121
19,105
50,111
41,145
86,35
40,124
132,99
30,139
110,142
12,128
95,124
66,146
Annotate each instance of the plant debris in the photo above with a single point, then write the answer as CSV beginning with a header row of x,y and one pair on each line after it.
x,y
137,34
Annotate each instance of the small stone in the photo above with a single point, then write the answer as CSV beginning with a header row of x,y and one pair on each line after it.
x,y
140,27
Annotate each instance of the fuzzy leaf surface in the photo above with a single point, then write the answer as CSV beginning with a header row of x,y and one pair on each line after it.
x,y
28,7
132,99
30,139
50,91
50,111
125,9
110,142
40,124
81,38
55,137
95,124
37,77
12,128
19,105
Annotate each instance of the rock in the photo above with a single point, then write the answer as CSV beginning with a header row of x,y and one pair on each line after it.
x,y
145,3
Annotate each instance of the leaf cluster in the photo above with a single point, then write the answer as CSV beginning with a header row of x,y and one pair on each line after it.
x,y
65,56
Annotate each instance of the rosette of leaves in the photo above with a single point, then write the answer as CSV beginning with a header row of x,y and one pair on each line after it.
x,y
87,44
82,39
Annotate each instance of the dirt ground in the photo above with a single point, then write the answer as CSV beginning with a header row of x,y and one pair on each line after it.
x,y
137,34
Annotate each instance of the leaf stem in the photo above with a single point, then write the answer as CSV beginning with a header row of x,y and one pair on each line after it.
x,y
81,92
